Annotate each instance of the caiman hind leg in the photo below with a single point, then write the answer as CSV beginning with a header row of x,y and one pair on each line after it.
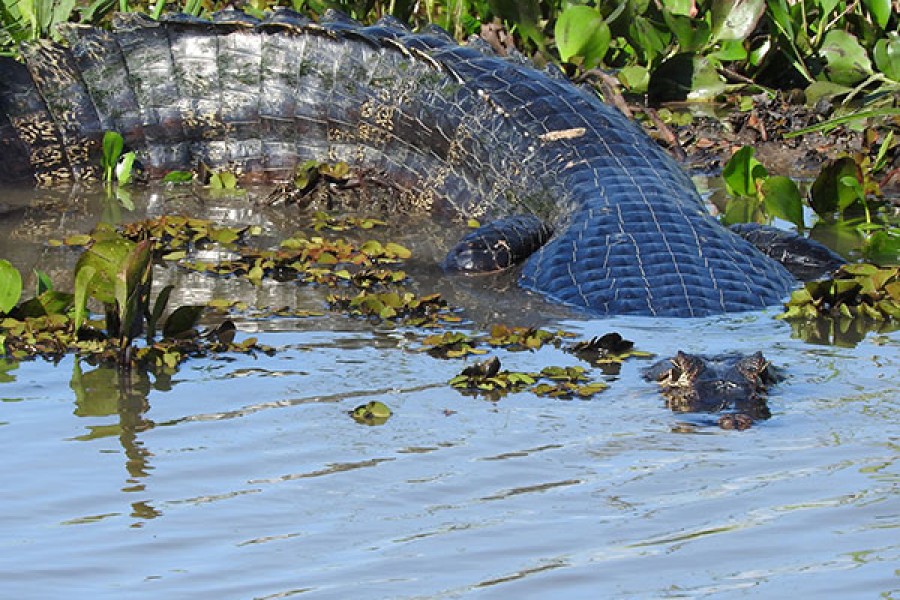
x,y
498,245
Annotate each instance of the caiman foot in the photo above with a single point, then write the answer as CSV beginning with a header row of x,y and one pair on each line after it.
x,y
498,245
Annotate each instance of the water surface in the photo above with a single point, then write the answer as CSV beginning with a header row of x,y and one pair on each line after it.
x,y
243,477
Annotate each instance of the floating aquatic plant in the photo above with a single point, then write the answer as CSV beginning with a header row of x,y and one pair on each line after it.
x,y
372,413
857,290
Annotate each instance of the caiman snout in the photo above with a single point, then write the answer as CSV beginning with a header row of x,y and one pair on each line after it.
x,y
732,383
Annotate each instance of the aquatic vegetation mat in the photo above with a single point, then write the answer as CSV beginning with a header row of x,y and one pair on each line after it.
x,y
858,290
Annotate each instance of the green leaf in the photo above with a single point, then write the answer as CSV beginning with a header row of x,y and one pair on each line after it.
x,y
44,284
828,193
742,210
178,177
783,200
780,14
373,413
83,276
648,41
880,11
159,306
730,50
635,78
124,169
48,303
735,19
397,251
132,286
679,7
524,14
847,62
112,150
742,172
883,248
105,257
228,180
182,321
10,286
818,90
581,31
887,55
685,77
692,34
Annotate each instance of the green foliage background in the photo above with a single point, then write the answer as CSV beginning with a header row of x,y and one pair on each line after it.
x,y
828,46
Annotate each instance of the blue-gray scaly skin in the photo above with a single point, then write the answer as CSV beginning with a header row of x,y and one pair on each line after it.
x,y
465,133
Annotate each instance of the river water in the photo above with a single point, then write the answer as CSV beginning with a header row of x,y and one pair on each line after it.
x,y
244,477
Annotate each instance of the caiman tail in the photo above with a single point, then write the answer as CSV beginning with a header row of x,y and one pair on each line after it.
x,y
602,217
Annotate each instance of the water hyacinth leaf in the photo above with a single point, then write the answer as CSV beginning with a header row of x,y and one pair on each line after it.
x,y
735,19
730,50
372,413
178,177
685,76
683,8
78,239
524,14
223,180
829,193
635,78
780,14
83,277
131,285
847,61
782,199
159,306
819,90
112,150
397,251
880,11
691,34
124,169
44,284
182,321
135,268
49,303
372,248
742,210
105,257
10,286
647,40
884,248
742,171
582,32
887,55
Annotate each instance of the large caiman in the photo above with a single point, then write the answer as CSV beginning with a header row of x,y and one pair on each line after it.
x,y
601,216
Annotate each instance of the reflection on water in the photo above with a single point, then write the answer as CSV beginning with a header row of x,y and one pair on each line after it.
x,y
244,477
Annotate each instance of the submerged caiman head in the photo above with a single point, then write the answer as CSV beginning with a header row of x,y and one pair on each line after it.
x,y
732,384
